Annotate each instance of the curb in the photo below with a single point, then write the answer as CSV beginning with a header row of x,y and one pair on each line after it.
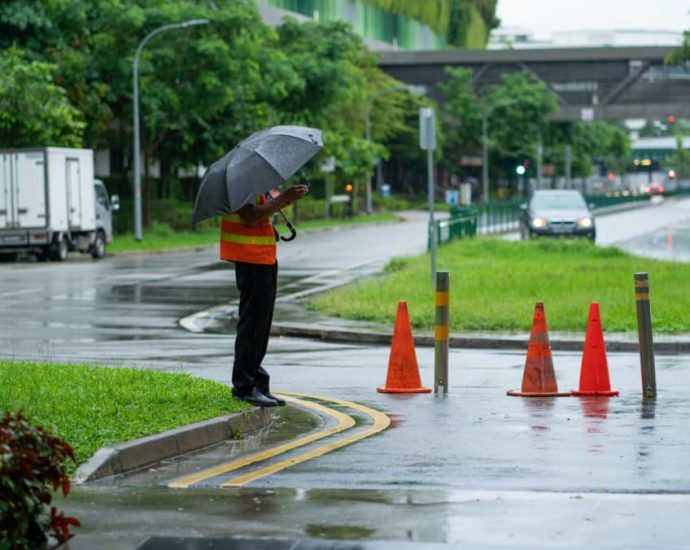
x,y
470,342
132,455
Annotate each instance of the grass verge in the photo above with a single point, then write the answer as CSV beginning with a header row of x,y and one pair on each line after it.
x,y
91,407
162,237
495,283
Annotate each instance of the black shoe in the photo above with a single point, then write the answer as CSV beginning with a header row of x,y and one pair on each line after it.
x,y
258,399
281,402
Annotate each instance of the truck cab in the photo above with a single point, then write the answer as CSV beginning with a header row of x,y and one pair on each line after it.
x,y
105,206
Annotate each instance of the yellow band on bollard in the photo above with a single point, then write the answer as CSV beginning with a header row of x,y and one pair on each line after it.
x,y
642,296
442,298
441,332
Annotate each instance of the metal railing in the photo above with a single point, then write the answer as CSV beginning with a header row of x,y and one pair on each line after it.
x,y
461,223
498,217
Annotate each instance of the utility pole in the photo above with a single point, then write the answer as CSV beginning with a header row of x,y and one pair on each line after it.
x,y
136,153
427,141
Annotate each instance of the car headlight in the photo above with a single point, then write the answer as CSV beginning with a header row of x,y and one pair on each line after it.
x,y
538,222
585,222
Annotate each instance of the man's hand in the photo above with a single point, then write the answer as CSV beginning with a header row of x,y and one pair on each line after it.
x,y
294,193
252,214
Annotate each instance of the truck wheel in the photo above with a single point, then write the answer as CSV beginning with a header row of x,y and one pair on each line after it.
x,y
59,250
98,246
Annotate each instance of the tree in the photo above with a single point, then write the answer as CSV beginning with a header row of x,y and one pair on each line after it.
x,y
681,54
337,78
34,111
516,109
602,141
462,116
60,33
522,121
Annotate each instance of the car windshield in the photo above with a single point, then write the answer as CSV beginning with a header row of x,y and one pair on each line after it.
x,y
558,201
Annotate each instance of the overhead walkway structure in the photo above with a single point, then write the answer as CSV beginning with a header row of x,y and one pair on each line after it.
x,y
589,83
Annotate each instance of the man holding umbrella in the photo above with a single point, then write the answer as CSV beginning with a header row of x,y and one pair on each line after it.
x,y
236,186
248,239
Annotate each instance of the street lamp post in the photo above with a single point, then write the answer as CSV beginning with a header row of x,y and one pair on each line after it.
x,y
136,153
367,132
485,147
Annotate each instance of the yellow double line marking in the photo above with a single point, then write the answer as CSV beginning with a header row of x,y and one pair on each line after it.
x,y
343,422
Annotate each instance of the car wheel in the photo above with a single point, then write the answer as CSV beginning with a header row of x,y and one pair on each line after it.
x,y
59,250
98,246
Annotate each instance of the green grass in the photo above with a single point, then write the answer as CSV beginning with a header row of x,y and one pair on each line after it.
x,y
162,237
91,407
495,283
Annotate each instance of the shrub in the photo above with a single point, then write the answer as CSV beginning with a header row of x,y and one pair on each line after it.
x,y
31,463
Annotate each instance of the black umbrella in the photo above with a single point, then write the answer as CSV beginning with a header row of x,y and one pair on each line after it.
x,y
263,161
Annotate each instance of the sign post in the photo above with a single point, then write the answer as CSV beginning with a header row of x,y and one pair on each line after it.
x,y
327,168
427,142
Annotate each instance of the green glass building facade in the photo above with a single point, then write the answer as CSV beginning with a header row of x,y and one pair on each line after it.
x,y
369,21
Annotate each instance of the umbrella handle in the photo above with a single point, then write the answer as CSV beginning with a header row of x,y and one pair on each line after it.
x,y
293,233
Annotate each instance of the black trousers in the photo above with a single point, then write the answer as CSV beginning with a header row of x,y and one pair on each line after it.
x,y
257,285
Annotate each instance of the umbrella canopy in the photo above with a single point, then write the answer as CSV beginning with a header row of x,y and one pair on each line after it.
x,y
263,161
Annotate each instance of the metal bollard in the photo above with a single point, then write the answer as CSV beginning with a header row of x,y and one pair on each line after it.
x,y
441,331
644,333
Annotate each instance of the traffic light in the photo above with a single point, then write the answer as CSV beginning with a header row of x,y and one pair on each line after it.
x,y
348,188
521,169
671,119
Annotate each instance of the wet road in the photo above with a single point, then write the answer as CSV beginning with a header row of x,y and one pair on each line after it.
x,y
476,467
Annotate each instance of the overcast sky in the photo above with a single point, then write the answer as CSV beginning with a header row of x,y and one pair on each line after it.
x,y
543,17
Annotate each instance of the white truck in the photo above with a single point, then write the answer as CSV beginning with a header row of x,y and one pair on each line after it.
x,y
50,204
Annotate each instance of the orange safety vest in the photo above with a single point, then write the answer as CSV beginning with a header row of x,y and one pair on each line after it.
x,y
241,242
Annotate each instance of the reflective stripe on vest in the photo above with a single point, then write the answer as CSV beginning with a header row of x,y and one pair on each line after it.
x,y
241,242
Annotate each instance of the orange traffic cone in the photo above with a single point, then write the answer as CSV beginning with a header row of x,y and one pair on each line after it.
x,y
403,371
594,372
539,378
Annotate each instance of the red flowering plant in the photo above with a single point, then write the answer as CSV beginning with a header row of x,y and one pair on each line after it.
x,y
31,469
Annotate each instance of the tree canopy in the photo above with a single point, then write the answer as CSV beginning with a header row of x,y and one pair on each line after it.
x,y
517,111
202,89
33,109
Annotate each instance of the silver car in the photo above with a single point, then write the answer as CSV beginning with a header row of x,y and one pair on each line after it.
x,y
557,213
